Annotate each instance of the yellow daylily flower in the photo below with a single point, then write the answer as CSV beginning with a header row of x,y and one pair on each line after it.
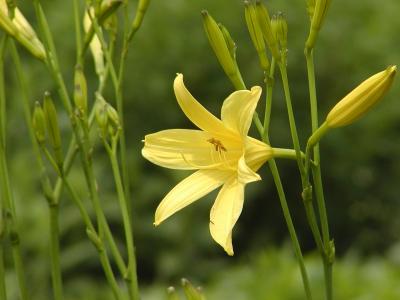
x,y
220,151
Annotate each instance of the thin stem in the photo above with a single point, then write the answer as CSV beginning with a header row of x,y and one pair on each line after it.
x,y
44,179
278,183
3,291
8,203
131,272
292,122
327,260
78,32
55,252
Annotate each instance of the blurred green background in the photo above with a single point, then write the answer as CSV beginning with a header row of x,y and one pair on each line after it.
x,y
360,163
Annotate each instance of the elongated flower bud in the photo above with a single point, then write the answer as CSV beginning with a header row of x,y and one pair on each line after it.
x,y
39,123
106,116
19,28
266,29
310,8
53,128
360,100
140,12
221,50
279,28
94,43
80,90
229,41
255,33
319,13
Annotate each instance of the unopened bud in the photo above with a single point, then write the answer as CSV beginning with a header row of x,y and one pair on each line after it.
x,y
140,12
319,13
266,29
190,291
221,50
101,113
39,123
52,127
14,23
360,100
310,8
230,43
80,90
255,33
279,28
94,43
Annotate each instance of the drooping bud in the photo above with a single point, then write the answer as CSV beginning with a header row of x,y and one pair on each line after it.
x,y
39,123
80,90
279,28
319,13
255,33
190,291
52,127
360,100
221,50
266,29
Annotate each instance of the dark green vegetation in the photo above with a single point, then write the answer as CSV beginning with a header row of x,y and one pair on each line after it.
x,y
360,163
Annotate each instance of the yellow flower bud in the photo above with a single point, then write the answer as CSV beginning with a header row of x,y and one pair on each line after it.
x,y
360,100
256,33
319,9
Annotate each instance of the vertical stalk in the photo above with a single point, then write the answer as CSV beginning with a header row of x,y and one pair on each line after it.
x,y
8,204
55,252
131,272
45,182
328,260
278,183
3,292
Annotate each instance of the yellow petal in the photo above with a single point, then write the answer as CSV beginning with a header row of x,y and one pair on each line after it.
x,y
238,109
190,149
189,190
225,212
256,153
196,113
245,173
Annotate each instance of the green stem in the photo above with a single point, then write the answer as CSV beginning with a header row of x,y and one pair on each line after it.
x,y
8,203
97,241
44,179
78,32
278,183
3,292
131,272
327,260
292,122
52,63
55,252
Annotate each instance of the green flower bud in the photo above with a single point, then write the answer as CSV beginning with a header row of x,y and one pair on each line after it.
x,y
80,90
230,43
222,50
279,28
319,13
266,29
360,100
39,123
310,8
101,113
52,127
140,12
255,33
191,292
